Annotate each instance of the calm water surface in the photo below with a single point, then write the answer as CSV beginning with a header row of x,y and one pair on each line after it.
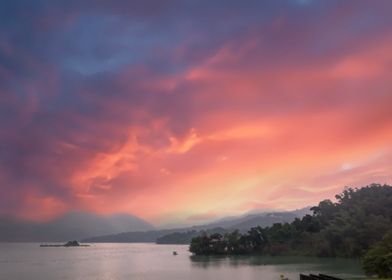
x,y
27,261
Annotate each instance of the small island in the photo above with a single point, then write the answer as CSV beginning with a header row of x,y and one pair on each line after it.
x,y
73,243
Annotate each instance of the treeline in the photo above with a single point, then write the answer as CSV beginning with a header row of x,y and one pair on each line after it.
x,y
346,228
243,224
187,236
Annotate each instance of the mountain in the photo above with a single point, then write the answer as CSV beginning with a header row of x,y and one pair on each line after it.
x,y
184,235
265,220
131,237
70,226
247,221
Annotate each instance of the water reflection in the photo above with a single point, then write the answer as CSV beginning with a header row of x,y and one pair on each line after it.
x,y
288,264
155,262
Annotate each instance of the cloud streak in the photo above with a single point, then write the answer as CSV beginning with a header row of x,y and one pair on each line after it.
x,y
173,110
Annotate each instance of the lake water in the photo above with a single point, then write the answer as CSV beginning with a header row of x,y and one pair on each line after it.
x,y
27,261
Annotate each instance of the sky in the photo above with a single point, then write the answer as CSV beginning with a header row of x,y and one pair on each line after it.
x,y
186,111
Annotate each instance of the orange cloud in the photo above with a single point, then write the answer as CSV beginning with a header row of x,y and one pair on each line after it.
x,y
274,114
234,157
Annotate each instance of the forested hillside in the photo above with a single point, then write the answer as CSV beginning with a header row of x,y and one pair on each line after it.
x,y
242,224
358,219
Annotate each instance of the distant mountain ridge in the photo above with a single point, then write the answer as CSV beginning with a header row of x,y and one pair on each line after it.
x,y
90,227
70,226
176,235
245,222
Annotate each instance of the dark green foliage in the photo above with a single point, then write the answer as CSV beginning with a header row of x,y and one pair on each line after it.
x,y
186,237
346,228
229,243
378,260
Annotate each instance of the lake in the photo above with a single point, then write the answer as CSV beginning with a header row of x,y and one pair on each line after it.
x,y
27,261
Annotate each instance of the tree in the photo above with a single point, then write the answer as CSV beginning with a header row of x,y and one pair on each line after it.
x,y
378,260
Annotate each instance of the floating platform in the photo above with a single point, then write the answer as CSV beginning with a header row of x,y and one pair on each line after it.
x,y
317,277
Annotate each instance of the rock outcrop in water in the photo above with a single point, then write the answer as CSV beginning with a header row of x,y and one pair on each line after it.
x,y
73,243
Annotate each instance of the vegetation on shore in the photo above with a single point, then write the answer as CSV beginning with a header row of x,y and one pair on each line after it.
x,y
349,227
378,260
187,236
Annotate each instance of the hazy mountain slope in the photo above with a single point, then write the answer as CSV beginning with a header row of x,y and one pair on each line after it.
x,y
181,235
243,224
130,237
265,220
73,225
13,230
247,221
186,237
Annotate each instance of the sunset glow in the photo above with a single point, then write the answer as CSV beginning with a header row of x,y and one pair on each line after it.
x,y
181,112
